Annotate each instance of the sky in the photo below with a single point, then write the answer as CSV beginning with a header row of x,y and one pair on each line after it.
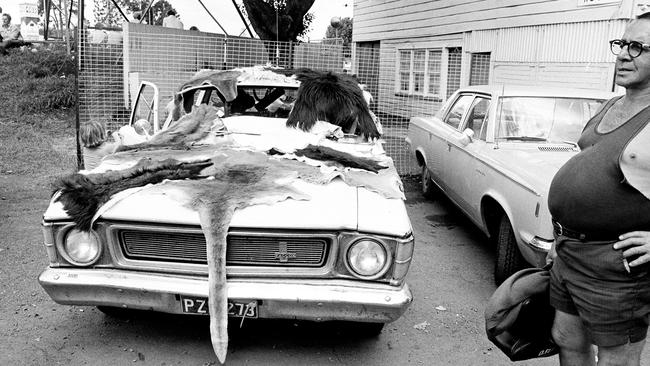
x,y
192,13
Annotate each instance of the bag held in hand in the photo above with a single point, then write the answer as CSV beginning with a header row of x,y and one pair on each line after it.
x,y
518,317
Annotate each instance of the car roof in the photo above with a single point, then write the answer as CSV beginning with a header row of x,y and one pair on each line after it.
x,y
537,91
254,83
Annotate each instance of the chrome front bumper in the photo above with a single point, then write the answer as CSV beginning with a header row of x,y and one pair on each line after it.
x,y
318,300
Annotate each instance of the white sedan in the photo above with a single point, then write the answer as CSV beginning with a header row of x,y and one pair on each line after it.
x,y
493,150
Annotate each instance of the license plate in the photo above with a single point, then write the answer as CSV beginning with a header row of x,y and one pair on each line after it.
x,y
199,305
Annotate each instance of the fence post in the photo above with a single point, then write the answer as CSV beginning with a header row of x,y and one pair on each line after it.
x,y
225,54
290,55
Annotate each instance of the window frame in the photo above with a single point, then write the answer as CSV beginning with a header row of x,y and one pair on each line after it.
x,y
462,119
441,93
482,135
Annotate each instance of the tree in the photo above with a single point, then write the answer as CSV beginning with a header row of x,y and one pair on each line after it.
x,y
106,13
289,17
343,31
156,13
60,17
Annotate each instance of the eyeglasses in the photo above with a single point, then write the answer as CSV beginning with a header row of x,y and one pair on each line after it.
x,y
634,48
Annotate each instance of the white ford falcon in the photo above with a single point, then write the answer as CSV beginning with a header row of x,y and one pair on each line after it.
x,y
278,222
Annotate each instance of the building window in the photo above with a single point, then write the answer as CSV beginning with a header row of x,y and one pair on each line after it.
x,y
455,55
479,71
404,71
435,66
423,72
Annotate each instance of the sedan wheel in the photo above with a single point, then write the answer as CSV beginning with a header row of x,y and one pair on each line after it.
x,y
509,259
428,187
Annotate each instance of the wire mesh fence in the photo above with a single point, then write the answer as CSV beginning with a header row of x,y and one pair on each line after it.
x,y
402,84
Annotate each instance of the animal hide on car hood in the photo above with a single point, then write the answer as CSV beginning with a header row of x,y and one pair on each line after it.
x,y
224,81
334,98
236,179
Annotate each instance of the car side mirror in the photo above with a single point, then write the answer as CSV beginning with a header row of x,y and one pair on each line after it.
x,y
467,137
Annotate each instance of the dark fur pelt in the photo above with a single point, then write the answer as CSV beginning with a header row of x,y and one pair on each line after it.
x,y
190,128
82,195
348,160
333,98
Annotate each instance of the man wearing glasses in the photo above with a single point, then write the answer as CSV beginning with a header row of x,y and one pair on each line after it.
x,y
600,203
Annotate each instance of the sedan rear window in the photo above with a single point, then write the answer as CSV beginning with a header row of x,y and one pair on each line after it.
x,y
544,118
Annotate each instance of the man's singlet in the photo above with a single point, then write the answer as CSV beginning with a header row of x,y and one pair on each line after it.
x,y
589,193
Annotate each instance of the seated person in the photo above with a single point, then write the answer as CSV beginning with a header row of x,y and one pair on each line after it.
x,y
10,36
95,145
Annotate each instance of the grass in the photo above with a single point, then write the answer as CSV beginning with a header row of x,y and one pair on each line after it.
x,y
34,84
37,118
27,149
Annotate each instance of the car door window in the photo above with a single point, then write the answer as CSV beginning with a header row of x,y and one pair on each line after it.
x,y
477,117
146,104
455,115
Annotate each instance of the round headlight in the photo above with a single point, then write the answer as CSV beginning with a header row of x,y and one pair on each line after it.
x,y
367,257
81,247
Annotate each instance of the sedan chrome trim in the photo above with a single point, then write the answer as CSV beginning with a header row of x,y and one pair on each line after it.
x,y
542,244
311,299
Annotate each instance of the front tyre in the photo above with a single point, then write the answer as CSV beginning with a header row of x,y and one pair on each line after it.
x,y
428,187
508,259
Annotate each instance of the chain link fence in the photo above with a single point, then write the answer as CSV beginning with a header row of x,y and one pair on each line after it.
x,y
114,62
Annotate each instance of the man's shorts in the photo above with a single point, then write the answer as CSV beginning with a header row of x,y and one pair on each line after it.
x,y
590,280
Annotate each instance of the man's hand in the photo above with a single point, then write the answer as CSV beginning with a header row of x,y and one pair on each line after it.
x,y
635,244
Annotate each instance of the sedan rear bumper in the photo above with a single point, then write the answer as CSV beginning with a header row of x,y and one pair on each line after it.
x,y
317,300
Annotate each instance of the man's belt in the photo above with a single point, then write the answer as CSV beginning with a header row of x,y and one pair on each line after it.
x,y
560,229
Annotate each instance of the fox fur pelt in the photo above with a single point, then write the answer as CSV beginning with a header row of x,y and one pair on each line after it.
x,y
333,98
82,195
347,160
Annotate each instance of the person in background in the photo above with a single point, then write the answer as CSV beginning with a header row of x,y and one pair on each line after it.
x,y
172,21
10,36
94,138
194,28
600,205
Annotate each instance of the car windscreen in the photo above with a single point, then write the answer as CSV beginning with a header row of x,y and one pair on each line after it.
x,y
544,118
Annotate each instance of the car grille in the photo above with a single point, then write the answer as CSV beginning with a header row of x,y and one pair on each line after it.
x,y
242,250
556,148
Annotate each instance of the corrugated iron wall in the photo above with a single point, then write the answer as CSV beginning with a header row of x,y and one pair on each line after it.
x,y
569,42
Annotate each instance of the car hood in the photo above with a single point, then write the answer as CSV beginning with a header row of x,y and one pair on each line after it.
x,y
533,166
334,206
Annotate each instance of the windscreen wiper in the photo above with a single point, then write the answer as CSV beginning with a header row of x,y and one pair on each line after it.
x,y
524,138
